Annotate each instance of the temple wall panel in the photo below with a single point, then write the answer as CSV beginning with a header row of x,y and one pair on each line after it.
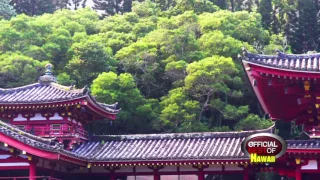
x,y
168,169
40,163
79,171
232,168
169,177
5,156
56,117
214,168
312,165
20,118
46,165
188,177
38,117
23,156
99,169
187,168
143,169
14,164
125,169
140,178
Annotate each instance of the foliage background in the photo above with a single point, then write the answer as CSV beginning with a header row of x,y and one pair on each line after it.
x,y
173,65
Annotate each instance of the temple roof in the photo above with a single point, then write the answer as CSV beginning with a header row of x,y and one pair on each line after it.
x,y
47,91
178,146
40,93
153,147
291,62
145,147
304,144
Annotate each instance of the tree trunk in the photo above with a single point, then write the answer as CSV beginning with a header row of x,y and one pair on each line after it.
x,y
232,5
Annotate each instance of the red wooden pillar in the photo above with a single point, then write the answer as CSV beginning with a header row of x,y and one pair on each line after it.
x,y
200,175
32,171
52,174
245,174
156,176
298,173
112,176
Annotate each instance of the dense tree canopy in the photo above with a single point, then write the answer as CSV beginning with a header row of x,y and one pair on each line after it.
x,y
172,64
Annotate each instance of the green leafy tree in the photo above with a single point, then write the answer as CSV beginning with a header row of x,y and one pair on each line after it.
x,y
6,10
57,45
65,79
18,70
170,64
242,25
176,71
89,59
216,43
137,113
252,122
212,82
198,6
179,113
146,8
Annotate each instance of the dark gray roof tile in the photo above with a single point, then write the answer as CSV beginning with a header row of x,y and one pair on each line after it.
x,y
37,93
299,62
210,146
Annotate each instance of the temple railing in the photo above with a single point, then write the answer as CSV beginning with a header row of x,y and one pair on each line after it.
x,y
61,132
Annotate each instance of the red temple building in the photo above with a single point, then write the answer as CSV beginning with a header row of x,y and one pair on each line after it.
x,y
42,134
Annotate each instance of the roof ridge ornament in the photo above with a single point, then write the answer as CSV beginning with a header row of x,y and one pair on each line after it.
x,y
244,51
47,77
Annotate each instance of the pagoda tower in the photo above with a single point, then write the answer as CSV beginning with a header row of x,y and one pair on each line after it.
x,y
49,110
287,87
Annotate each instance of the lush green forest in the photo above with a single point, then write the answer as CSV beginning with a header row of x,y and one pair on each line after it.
x,y
173,65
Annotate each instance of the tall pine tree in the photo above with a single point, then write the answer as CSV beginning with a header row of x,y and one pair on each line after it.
x,y
76,4
70,4
308,24
222,4
33,7
265,9
275,24
292,27
6,10
111,7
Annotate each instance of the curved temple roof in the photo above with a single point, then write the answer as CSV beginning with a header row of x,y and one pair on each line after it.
x,y
39,93
162,147
219,146
175,146
286,85
293,62
47,91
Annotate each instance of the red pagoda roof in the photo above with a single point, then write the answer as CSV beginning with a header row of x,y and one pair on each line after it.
x,y
40,93
304,144
286,85
288,62
47,91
